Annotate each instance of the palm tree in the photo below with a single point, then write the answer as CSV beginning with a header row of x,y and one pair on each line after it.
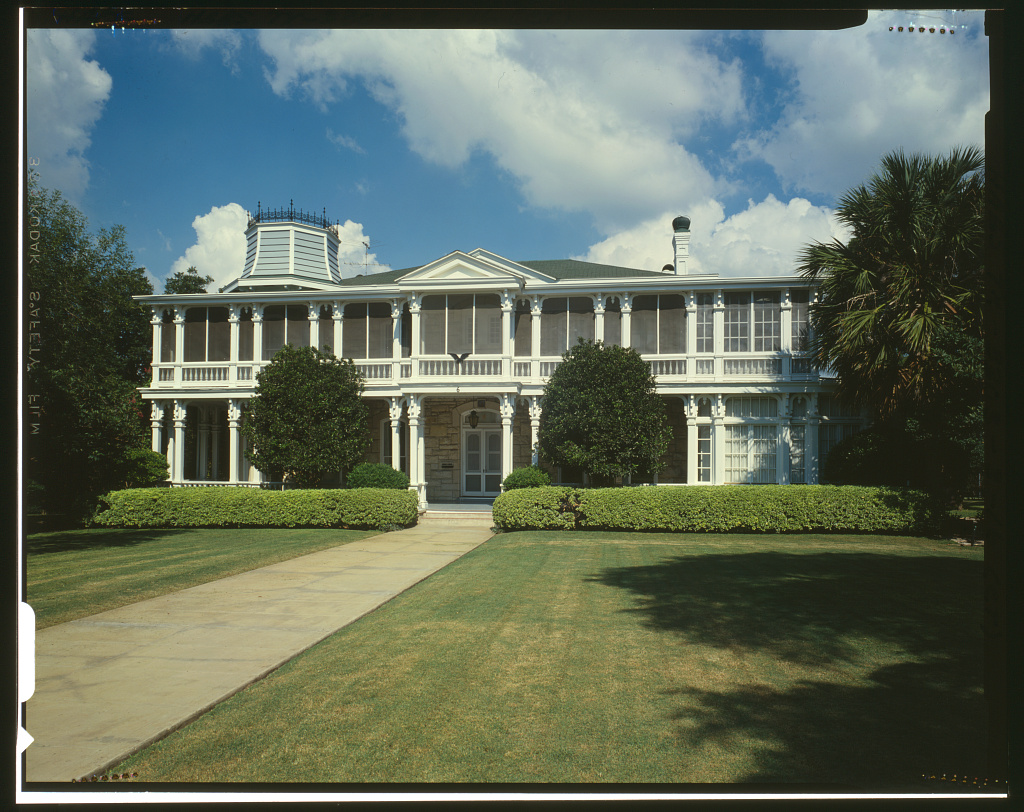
x,y
912,269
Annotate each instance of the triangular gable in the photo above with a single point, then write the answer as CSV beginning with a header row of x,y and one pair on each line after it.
x,y
478,266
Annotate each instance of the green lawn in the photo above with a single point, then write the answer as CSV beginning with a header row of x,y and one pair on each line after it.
x,y
846,662
77,573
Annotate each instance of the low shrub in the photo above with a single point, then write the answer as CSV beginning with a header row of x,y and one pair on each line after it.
x,y
376,475
722,509
364,508
532,477
544,508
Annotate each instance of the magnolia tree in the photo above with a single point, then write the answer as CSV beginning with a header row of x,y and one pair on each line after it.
x,y
307,419
602,414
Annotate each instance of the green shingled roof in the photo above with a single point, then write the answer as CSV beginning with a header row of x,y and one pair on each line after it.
x,y
575,269
556,268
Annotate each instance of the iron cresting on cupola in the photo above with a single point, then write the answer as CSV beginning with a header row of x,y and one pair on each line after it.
x,y
289,249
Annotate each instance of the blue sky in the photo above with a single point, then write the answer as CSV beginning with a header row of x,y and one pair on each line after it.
x,y
532,144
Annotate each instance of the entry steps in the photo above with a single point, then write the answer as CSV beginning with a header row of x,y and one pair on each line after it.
x,y
476,513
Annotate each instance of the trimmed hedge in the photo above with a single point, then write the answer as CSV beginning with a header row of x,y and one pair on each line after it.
x,y
721,509
376,475
531,477
363,508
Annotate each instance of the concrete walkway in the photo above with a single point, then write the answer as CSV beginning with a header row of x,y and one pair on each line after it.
x,y
110,684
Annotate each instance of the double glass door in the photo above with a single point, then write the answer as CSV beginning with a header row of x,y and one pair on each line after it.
x,y
481,462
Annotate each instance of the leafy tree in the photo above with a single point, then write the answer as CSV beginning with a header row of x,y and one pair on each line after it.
x,y
602,414
187,281
307,418
87,349
913,266
901,316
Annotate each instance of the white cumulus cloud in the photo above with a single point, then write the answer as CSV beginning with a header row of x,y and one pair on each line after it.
x,y
219,250
193,41
572,116
861,93
762,240
65,96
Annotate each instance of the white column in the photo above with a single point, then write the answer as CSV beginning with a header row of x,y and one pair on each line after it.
x,y
257,334
177,451
233,316
337,313
717,440
812,466
395,414
156,424
718,315
627,309
314,324
396,339
599,301
536,307
416,449
535,410
785,339
179,336
234,422
691,333
690,410
157,322
414,309
508,304
782,445
508,413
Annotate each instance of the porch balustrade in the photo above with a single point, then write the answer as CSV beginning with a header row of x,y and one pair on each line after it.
x,y
535,370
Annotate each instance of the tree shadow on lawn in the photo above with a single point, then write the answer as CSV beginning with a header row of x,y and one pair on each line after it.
x,y
883,726
93,539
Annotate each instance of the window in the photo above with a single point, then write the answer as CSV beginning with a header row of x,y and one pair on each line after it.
x,y
367,330
800,319
563,321
207,334
703,453
463,322
284,325
246,335
612,323
704,407
831,434
751,454
767,322
737,322
751,407
167,329
705,322
658,324
325,329
523,330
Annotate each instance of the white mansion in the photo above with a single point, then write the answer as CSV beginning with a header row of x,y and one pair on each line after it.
x,y
455,355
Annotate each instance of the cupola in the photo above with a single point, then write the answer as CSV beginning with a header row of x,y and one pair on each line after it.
x,y
290,248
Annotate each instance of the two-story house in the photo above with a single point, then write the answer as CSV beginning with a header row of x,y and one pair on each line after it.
x,y
455,354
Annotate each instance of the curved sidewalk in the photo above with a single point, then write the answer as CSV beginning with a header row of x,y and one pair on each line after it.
x,y
112,683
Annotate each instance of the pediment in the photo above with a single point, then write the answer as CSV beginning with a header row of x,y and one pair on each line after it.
x,y
475,268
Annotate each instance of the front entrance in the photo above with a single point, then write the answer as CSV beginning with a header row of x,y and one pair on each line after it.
x,y
481,462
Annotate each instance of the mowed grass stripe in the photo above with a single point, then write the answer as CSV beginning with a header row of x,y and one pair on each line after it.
x,y
579,658
78,573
